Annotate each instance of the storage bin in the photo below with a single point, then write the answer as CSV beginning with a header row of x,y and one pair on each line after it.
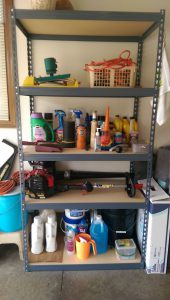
x,y
10,211
121,223
125,249
108,77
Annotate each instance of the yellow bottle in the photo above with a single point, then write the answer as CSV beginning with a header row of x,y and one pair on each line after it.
x,y
126,129
118,124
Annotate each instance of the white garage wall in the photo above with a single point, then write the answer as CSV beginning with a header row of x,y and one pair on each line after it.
x,y
72,56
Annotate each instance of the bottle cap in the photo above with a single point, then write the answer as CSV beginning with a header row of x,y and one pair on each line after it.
x,y
94,116
98,217
117,116
37,220
51,219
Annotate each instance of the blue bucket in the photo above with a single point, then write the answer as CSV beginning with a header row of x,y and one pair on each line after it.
x,y
10,211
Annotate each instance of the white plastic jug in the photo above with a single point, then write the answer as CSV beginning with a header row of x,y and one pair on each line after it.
x,y
51,234
37,235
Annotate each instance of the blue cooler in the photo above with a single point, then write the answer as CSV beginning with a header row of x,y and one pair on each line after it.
x,y
10,211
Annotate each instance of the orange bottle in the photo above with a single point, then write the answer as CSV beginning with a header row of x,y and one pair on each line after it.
x,y
81,137
105,137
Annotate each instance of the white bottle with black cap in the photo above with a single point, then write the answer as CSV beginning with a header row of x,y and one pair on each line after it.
x,y
51,234
37,235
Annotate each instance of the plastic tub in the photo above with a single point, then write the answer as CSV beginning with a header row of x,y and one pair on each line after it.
x,y
70,224
125,249
10,211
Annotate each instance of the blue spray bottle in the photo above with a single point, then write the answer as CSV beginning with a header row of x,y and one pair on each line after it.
x,y
60,114
78,114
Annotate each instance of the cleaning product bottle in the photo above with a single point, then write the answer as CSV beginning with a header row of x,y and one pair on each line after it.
x,y
59,130
69,136
81,137
97,143
70,242
93,129
118,123
40,129
99,233
51,234
37,235
88,129
126,130
83,226
78,114
48,117
105,133
133,131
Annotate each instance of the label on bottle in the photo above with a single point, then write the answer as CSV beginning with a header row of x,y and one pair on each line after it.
x,y
70,244
39,133
59,135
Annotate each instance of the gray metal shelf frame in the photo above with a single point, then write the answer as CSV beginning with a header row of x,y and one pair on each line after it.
x,y
157,20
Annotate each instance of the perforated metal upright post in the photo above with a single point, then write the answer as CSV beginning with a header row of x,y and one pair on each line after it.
x,y
138,78
19,136
153,125
30,69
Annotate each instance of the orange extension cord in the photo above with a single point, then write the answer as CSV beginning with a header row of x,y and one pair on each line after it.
x,y
7,186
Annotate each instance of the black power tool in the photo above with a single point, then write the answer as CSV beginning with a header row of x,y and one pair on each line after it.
x,y
40,183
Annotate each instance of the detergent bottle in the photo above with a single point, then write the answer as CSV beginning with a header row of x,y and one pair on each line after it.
x,y
51,234
99,233
40,129
105,133
126,130
118,123
59,130
37,235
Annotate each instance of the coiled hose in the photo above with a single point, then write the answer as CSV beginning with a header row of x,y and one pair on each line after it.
x,y
7,186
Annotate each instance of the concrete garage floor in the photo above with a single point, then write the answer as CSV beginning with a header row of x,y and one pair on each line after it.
x,y
83,285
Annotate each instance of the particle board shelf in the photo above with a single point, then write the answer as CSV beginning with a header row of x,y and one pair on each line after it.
x,y
104,261
116,198
87,92
86,23
82,155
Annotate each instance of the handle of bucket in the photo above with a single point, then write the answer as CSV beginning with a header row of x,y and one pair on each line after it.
x,y
61,222
11,208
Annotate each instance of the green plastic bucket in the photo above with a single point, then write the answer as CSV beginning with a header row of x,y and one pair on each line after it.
x,y
10,211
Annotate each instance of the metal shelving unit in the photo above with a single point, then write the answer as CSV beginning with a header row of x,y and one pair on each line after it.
x,y
89,26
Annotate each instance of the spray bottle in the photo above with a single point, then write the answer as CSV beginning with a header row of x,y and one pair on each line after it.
x,y
78,114
59,130
93,129
105,137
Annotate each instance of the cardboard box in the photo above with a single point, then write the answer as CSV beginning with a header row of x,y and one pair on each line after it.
x,y
158,229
